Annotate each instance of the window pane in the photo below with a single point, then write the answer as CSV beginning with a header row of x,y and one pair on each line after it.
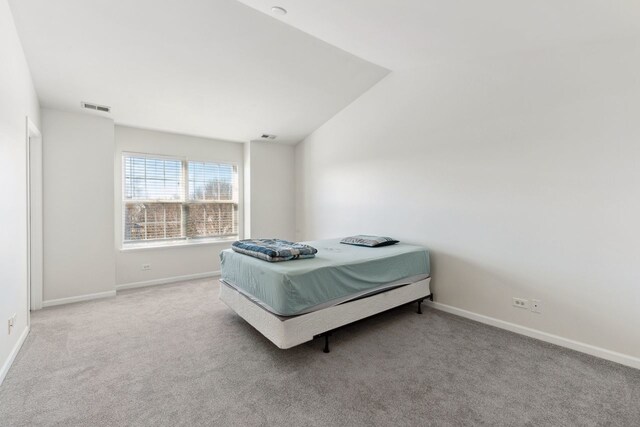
x,y
212,219
137,169
148,178
152,221
155,169
138,188
134,222
212,181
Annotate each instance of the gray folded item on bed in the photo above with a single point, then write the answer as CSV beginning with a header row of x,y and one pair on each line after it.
x,y
273,250
369,241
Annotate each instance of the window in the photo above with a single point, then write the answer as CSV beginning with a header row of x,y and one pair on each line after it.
x,y
170,199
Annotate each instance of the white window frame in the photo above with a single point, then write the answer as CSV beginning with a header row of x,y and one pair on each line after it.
x,y
126,245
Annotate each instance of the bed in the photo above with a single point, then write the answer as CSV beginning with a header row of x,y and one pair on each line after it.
x,y
295,301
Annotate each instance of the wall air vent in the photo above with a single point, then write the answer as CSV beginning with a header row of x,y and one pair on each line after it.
x,y
95,107
267,136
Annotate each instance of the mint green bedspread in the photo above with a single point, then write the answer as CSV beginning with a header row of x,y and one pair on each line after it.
x,y
336,273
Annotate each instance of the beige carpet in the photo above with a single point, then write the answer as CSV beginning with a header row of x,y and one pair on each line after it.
x,y
175,355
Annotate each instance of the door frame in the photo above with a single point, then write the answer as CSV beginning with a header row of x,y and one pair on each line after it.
x,y
35,245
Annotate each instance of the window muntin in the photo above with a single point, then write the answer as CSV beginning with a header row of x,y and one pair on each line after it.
x,y
158,206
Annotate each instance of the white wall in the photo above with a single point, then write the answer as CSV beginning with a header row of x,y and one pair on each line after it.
x,y
520,173
175,261
271,211
82,263
18,100
78,205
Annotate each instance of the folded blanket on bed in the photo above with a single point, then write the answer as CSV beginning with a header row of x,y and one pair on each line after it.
x,y
273,250
369,241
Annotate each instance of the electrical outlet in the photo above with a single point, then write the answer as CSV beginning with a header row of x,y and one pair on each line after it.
x,y
146,267
11,323
536,306
520,302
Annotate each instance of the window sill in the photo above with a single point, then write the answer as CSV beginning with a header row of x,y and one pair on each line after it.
x,y
182,243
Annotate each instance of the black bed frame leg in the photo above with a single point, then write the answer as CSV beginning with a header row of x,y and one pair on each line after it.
x,y
326,343
430,297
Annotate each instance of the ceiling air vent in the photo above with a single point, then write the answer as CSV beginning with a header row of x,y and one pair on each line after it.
x,y
95,107
267,136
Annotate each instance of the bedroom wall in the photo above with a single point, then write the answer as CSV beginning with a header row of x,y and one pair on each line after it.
x,y
177,261
271,211
520,173
79,260
18,101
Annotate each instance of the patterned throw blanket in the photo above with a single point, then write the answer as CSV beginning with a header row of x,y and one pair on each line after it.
x,y
273,250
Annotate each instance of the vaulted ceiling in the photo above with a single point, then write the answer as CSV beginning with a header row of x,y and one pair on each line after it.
x,y
233,70
214,68
399,34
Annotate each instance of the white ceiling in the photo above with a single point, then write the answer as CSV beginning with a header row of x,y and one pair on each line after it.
x,y
408,33
223,69
214,68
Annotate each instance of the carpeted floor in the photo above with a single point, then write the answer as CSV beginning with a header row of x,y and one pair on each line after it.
x,y
175,355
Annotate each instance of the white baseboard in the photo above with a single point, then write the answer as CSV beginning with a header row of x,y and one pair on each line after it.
x,y
79,298
623,359
167,280
12,356
107,294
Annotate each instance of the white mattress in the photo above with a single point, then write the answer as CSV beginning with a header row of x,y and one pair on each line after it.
x,y
286,332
